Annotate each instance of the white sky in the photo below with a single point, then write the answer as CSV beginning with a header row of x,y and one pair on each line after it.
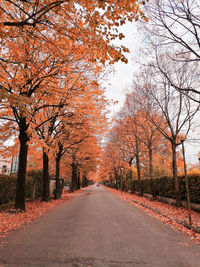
x,y
117,82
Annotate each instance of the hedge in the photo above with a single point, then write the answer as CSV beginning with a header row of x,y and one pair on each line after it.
x,y
8,186
36,177
165,187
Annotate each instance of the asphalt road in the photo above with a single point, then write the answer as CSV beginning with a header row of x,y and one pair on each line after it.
x,y
96,228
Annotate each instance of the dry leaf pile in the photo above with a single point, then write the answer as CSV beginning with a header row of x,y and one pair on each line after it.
x,y
11,219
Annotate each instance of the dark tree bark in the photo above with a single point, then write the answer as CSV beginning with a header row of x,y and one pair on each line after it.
x,y
139,175
58,159
57,172
21,174
115,178
152,185
137,156
78,180
132,181
175,176
84,180
74,177
46,180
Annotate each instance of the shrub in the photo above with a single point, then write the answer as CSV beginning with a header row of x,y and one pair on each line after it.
x,y
36,178
164,187
8,186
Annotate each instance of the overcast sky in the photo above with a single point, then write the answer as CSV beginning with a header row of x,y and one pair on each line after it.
x,y
117,81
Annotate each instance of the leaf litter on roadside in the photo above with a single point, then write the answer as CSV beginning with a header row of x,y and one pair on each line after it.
x,y
166,213
12,219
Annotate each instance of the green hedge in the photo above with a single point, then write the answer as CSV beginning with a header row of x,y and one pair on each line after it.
x,y
8,186
36,177
194,187
7,189
165,187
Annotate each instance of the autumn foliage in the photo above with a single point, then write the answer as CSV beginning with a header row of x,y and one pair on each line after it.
x,y
52,56
143,140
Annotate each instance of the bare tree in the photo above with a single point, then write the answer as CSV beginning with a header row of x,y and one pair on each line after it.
x,y
147,132
187,81
173,107
129,123
174,29
175,23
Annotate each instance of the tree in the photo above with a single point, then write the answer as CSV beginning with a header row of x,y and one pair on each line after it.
x,y
28,91
83,158
34,12
25,78
173,29
173,107
72,132
175,23
125,147
147,132
37,38
93,24
110,162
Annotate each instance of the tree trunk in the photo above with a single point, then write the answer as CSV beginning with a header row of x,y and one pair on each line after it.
x,y
175,176
57,172
138,168
78,180
58,185
58,159
116,178
84,180
74,177
132,181
46,180
152,185
21,174
139,175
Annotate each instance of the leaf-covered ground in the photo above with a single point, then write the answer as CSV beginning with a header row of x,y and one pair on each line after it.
x,y
11,220
166,213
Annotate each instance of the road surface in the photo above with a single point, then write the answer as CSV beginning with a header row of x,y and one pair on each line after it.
x,y
97,229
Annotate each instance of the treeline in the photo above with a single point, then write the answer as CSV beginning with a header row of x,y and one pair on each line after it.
x,y
164,186
33,186
162,103
52,57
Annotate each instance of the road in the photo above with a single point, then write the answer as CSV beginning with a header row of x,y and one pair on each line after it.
x,y
97,229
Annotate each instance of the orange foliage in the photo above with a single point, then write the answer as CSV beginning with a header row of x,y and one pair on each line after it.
x,y
52,53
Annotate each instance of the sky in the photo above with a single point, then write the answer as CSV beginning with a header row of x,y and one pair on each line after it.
x,y
119,80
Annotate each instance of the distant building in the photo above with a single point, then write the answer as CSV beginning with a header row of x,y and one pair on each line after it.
x,y
5,165
14,164
9,165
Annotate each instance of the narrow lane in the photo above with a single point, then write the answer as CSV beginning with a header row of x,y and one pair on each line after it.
x,y
96,228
